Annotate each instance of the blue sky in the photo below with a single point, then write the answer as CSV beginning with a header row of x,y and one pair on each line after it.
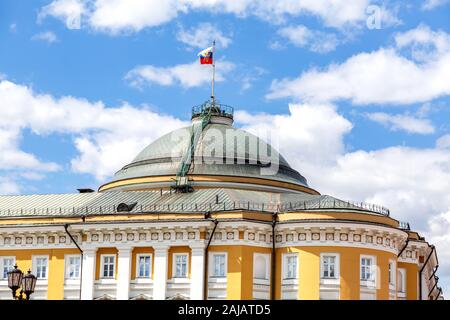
x,y
361,111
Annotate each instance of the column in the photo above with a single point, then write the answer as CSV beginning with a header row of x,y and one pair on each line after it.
x,y
160,273
88,276
197,271
123,273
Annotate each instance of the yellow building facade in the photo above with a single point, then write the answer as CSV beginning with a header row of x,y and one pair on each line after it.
x,y
211,212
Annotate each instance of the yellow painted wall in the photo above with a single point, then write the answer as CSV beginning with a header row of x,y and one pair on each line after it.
x,y
239,269
412,280
309,271
178,249
56,268
141,250
98,261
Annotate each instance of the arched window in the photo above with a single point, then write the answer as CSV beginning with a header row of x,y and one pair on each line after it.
x,y
260,268
400,287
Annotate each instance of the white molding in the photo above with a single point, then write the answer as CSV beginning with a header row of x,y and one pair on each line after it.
x,y
34,265
284,267
174,264
66,267
337,269
371,283
266,257
138,256
211,275
2,258
102,265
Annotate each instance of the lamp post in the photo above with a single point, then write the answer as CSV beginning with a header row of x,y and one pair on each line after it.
x,y
17,280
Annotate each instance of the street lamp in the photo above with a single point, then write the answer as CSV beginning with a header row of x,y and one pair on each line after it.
x,y
16,279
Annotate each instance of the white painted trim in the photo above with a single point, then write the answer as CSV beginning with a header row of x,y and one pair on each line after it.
x,y
403,284
174,264
34,265
372,283
102,266
337,268
393,274
266,257
2,258
211,265
285,266
138,256
66,267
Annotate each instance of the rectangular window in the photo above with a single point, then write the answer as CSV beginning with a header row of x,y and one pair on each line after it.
x,y
391,273
181,264
144,266
367,269
41,267
108,265
73,267
7,264
291,267
329,267
219,265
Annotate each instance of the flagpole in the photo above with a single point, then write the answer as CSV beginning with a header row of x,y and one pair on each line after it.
x,y
214,73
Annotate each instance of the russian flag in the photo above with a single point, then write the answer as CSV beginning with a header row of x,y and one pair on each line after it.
x,y
206,56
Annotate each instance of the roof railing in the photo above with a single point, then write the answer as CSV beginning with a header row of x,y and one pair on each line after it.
x,y
404,226
205,206
215,109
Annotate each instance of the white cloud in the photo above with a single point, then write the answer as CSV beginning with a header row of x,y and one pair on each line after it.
x,y
103,145
8,186
403,122
431,4
47,36
117,16
202,36
316,41
443,142
309,133
187,75
384,76
69,11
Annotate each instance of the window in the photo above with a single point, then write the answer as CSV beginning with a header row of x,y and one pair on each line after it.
x,y
144,266
73,266
401,280
329,266
181,265
367,269
108,264
6,264
260,264
391,273
219,265
40,266
291,267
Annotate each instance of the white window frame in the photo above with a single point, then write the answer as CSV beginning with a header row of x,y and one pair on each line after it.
x,y
266,258
2,264
211,267
102,266
374,274
138,256
336,266
174,265
286,257
392,269
34,266
67,266
403,284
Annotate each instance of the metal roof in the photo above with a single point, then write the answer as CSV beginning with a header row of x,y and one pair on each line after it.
x,y
201,200
222,150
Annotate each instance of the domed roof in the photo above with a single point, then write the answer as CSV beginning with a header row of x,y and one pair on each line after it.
x,y
221,150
